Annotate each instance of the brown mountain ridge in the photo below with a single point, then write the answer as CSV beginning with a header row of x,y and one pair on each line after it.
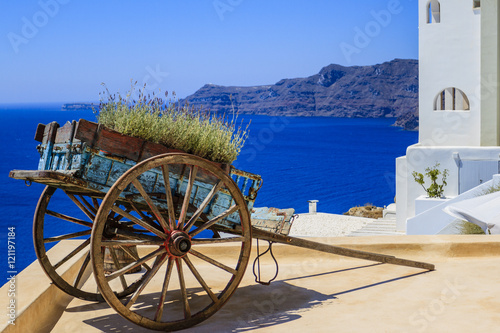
x,y
389,89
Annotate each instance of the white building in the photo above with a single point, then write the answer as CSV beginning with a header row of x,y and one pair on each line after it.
x,y
459,105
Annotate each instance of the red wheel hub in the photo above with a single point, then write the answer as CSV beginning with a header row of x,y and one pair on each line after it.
x,y
178,244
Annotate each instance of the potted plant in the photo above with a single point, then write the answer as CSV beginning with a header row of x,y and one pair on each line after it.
x,y
435,190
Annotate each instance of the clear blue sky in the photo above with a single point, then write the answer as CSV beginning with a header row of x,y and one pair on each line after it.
x,y
61,50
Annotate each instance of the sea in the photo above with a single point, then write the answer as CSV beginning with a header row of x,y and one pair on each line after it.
x,y
341,162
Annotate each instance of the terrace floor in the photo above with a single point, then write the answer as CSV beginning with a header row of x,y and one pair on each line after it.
x,y
324,293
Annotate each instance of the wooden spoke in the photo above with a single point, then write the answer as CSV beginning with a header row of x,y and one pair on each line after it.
x,y
118,266
143,224
143,216
185,302
67,236
214,220
213,262
82,270
200,279
128,226
135,264
161,302
181,179
118,217
160,260
203,205
81,206
72,253
69,218
96,203
133,255
151,204
200,241
168,192
90,207
187,196
131,242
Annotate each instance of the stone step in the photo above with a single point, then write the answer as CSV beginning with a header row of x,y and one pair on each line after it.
x,y
378,229
385,220
383,224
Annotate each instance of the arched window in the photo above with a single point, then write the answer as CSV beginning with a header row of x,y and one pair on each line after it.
x,y
433,11
451,99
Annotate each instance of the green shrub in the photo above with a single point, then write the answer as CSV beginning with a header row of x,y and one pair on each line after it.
x,y
195,131
490,189
434,190
469,228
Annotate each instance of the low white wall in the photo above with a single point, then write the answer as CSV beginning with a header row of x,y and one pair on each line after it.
x,y
401,193
423,203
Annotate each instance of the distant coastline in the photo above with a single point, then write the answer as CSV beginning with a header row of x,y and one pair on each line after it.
x,y
387,90
77,106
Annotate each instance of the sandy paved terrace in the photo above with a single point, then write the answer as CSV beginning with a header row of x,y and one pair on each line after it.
x,y
318,292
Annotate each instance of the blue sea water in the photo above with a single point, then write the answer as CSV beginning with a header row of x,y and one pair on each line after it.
x,y
339,161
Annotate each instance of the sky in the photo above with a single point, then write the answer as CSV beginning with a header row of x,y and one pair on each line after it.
x,y
63,50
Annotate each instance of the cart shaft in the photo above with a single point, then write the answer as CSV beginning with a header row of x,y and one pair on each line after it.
x,y
299,242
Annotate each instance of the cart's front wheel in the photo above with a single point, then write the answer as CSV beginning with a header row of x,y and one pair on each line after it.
x,y
180,202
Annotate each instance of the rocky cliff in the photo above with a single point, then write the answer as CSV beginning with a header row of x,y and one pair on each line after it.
x,y
384,90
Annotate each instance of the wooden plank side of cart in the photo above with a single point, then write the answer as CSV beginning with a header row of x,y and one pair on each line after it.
x,y
53,178
116,151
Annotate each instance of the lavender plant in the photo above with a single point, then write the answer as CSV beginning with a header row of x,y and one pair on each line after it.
x,y
151,118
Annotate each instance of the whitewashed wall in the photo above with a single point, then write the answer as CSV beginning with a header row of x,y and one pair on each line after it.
x,y
449,56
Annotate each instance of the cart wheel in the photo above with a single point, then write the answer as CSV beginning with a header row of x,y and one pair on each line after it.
x,y
63,215
206,275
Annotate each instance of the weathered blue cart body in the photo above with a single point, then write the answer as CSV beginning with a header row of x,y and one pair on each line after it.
x,y
86,157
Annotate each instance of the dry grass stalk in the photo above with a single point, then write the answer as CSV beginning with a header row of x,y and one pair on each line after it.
x,y
468,228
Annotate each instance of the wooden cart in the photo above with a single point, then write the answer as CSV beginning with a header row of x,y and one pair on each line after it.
x,y
146,211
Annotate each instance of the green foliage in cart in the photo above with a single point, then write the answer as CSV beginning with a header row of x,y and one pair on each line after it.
x,y
196,131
